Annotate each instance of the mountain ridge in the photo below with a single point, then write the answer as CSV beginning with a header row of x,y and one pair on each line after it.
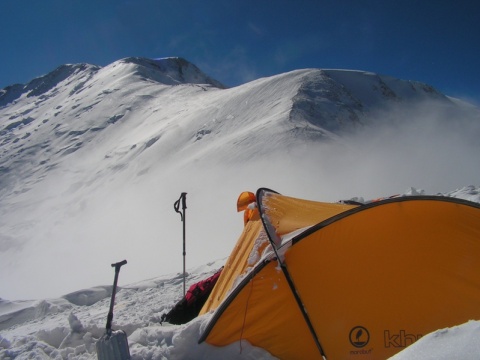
x,y
78,105
169,71
75,105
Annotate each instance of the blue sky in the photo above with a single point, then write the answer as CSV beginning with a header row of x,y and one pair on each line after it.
x,y
236,41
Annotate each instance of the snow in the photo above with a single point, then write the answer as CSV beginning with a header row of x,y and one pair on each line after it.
x,y
92,160
459,342
68,327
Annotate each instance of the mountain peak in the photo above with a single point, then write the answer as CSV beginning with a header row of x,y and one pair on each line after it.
x,y
170,71
337,100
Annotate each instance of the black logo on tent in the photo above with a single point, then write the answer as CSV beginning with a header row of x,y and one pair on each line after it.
x,y
359,336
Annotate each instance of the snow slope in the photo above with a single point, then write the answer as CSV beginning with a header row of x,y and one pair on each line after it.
x,y
92,160
68,327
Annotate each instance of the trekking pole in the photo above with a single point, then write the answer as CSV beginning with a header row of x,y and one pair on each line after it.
x,y
183,199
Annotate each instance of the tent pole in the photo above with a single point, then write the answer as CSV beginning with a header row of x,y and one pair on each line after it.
x,y
271,232
301,307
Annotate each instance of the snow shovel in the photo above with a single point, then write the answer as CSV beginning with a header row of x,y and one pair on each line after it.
x,y
113,345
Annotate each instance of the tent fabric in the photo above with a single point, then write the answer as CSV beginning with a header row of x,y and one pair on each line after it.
x,y
372,278
253,240
248,315
400,271
288,214
245,254
244,199
244,203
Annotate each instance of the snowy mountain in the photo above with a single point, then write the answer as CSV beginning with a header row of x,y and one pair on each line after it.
x,y
93,158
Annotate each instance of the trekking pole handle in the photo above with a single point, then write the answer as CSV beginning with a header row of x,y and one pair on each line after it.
x,y
184,200
176,205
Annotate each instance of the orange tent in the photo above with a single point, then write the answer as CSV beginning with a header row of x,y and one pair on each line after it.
x,y
347,282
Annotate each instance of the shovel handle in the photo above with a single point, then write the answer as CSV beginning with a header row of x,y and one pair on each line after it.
x,y
117,267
